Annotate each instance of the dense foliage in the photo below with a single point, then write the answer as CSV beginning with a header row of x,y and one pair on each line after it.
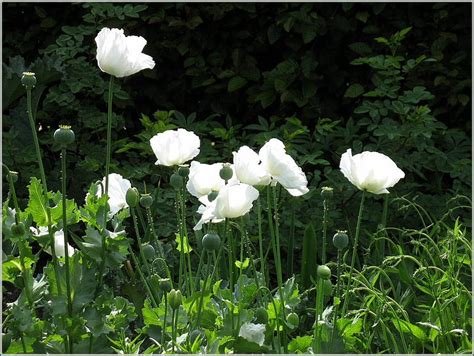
x,y
322,78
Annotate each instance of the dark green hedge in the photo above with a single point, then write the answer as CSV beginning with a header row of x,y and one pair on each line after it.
x,y
323,77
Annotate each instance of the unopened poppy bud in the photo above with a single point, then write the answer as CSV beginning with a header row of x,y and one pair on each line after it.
x,y
176,181
323,272
146,200
340,240
211,241
165,284
28,80
175,299
131,197
226,172
149,252
64,135
326,193
18,230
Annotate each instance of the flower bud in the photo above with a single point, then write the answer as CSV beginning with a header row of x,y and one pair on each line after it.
x,y
340,240
212,195
64,135
18,230
131,197
175,299
326,193
176,181
211,241
149,252
261,316
28,80
226,172
183,171
327,287
323,272
146,200
293,319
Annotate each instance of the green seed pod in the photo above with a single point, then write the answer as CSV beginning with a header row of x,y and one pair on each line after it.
x,y
64,135
175,299
183,171
326,193
293,319
146,200
212,195
226,172
340,240
176,181
28,80
149,252
261,316
211,241
18,230
165,285
323,272
327,287
131,197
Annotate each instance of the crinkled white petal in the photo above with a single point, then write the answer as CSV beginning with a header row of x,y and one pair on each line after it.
x,y
117,192
58,244
248,168
175,147
370,171
121,55
253,333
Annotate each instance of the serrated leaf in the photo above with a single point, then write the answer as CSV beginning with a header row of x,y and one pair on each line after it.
x,y
37,205
354,91
300,343
242,265
185,244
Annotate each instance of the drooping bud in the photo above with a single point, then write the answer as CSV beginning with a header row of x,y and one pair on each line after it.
x,y
131,197
323,272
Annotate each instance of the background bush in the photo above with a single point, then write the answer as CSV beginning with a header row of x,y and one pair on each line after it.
x,y
395,78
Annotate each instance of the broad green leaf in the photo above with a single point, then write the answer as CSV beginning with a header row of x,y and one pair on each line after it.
x,y
409,328
37,204
242,265
300,343
236,83
354,91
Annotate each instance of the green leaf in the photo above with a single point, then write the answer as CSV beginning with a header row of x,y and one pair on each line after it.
x,y
354,91
185,243
300,344
71,212
37,205
409,328
243,265
236,83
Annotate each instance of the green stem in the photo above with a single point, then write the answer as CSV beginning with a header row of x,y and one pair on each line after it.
x,y
189,273
201,299
231,259
153,232
260,240
291,243
325,223
45,186
66,242
338,293
180,230
163,332
318,312
142,277
173,335
140,247
354,252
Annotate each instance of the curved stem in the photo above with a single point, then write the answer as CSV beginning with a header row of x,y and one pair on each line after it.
x,y
66,242
354,252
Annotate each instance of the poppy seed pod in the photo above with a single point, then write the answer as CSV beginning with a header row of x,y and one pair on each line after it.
x,y
28,80
326,193
340,240
64,135
212,196
183,171
131,197
164,285
146,200
148,251
211,241
176,181
226,172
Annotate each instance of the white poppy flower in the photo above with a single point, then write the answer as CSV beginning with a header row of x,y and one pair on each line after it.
x,y
205,178
283,168
370,171
175,147
248,168
118,187
121,55
253,333
234,200
58,241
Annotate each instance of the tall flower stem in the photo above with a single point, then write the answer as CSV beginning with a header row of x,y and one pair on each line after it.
x,y
354,252
45,186
318,312
66,242
231,259
139,240
275,236
260,241
325,223
338,294
163,332
25,271
189,276
153,232
204,287
142,277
